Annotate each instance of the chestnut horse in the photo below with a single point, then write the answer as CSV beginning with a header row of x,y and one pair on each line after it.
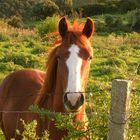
x,y
60,89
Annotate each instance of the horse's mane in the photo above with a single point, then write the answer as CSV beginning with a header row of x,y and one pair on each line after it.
x,y
76,27
51,68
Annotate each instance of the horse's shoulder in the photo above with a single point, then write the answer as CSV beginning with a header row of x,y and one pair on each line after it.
x,y
26,80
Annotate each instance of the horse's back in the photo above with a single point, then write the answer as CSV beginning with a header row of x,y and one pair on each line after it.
x,y
18,91
21,86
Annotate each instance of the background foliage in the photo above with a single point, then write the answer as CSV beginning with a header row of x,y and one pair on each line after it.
x,y
25,39
116,55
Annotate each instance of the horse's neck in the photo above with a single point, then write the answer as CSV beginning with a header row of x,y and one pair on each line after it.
x,y
53,101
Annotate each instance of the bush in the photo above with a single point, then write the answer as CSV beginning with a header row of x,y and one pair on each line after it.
x,y
100,8
9,66
48,25
128,5
109,20
118,23
15,21
99,26
134,19
29,132
23,59
75,128
114,24
44,8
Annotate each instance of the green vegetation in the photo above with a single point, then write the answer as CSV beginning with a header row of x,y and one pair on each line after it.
x,y
32,9
116,55
28,29
29,132
75,129
48,25
27,9
15,12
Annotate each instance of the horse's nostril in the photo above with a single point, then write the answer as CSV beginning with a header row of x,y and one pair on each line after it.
x,y
81,99
73,101
65,98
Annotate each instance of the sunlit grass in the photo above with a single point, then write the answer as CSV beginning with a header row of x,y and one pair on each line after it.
x,y
114,57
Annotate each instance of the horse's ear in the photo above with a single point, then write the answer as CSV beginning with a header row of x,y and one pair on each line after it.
x,y
63,27
88,28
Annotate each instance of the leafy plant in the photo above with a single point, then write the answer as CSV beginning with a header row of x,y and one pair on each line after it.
x,y
29,132
48,25
109,20
75,129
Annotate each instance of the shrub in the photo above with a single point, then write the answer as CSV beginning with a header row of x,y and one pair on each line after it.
x,y
118,23
38,50
15,21
99,26
75,128
109,20
44,8
29,132
128,5
100,8
113,23
9,66
24,59
48,25
134,19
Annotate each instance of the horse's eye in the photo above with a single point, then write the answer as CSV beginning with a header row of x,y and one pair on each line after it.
x,y
90,57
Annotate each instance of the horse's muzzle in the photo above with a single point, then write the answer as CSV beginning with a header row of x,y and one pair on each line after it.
x,y
73,101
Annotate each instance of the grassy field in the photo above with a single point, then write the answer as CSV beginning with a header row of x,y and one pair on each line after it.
x,y
115,56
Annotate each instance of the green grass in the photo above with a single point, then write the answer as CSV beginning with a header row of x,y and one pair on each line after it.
x,y
115,56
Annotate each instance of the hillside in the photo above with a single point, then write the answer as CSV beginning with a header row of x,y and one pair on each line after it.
x,y
115,56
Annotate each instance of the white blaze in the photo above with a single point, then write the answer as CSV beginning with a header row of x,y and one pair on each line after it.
x,y
74,63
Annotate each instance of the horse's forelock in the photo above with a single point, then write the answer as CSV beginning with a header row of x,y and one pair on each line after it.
x,y
76,27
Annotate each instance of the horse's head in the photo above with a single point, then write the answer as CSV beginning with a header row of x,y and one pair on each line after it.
x,y
73,56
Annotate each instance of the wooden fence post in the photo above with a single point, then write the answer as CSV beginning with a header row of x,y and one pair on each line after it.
x,y
119,110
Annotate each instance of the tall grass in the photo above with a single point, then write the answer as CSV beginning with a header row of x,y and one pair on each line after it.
x,y
115,56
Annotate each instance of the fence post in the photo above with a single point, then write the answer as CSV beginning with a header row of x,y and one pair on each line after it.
x,y
119,110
